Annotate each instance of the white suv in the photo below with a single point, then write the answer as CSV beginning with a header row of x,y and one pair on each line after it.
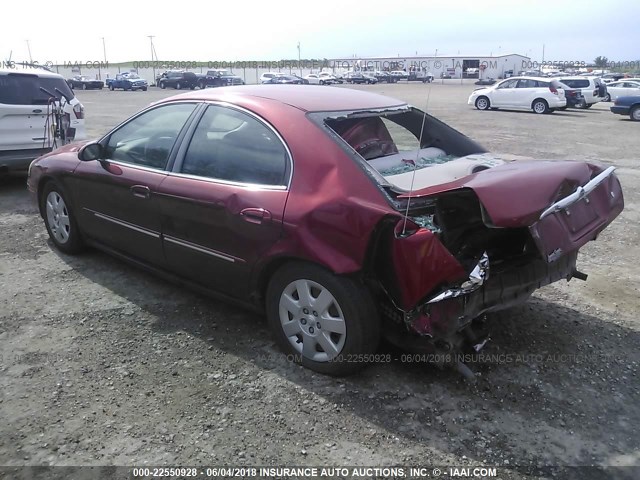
x,y
530,93
594,89
38,112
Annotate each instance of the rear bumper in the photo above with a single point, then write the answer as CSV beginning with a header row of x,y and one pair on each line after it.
x,y
504,286
620,110
19,160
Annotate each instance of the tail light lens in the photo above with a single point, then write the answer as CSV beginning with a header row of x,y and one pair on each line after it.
x,y
78,111
595,92
553,89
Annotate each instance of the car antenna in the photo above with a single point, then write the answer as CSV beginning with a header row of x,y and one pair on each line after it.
x,y
415,162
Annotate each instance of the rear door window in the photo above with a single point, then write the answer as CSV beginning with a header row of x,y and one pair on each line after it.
x,y
234,146
527,83
29,89
576,83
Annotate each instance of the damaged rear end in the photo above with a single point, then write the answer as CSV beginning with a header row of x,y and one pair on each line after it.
x,y
486,243
472,232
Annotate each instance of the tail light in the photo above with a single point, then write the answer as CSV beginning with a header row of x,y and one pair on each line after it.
x,y
78,111
595,92
553,89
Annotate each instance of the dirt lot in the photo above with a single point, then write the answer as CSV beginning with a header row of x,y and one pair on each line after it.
x,y
102,364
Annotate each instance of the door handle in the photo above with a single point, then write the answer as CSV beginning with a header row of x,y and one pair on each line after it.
x,y
256,215
140,191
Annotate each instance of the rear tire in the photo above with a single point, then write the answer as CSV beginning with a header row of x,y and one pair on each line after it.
x,y
84,86
59,219
607,97
162,85
483,103
540,106
321,320
178,86
634,114
111,87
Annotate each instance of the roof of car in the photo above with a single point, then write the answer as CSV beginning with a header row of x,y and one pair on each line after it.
x,y
40,72
524,77
310,98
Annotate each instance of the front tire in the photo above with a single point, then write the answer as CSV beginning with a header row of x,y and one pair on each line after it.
x,y
483,103
178,86
323,321
111,87
60,219
540,106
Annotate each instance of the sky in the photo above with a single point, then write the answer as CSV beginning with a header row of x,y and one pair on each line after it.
x,y
270,30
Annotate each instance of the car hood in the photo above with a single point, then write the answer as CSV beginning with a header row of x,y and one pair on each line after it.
x,y
515,194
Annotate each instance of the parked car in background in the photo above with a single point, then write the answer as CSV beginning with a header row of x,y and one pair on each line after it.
x,y
622,88
612,77
336,261
627,106
322,78
85,83
178,80
218,78
38,112
128,82
420,76
384,77
329,78
593,88
287,80
485,81
359,78
399,74
574,96
265,77
371,78
530,93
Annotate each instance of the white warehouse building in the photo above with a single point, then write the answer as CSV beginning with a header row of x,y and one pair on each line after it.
x,y
456,66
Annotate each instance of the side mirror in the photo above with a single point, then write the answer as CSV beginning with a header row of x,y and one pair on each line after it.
x,y
91,151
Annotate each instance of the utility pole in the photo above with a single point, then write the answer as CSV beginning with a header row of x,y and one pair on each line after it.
x,y
152,62
104,51
29,50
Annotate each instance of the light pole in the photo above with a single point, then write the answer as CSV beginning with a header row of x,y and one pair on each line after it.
x,y
104,51
299,64
29,50
152,63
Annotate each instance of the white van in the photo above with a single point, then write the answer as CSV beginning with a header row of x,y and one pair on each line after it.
x,y
38,112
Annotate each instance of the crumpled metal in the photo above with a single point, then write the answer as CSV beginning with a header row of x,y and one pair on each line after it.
x,y
477,277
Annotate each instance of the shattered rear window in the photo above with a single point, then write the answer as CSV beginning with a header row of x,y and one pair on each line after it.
x,y
397,143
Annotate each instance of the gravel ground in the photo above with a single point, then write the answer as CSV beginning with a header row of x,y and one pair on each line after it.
x,y
102,364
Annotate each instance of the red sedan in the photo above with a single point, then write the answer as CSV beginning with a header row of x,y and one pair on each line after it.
x,y
345,215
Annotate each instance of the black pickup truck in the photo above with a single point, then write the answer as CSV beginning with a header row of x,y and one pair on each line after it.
x,y
218,78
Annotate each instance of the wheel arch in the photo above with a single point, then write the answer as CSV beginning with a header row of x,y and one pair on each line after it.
x,y
265,272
